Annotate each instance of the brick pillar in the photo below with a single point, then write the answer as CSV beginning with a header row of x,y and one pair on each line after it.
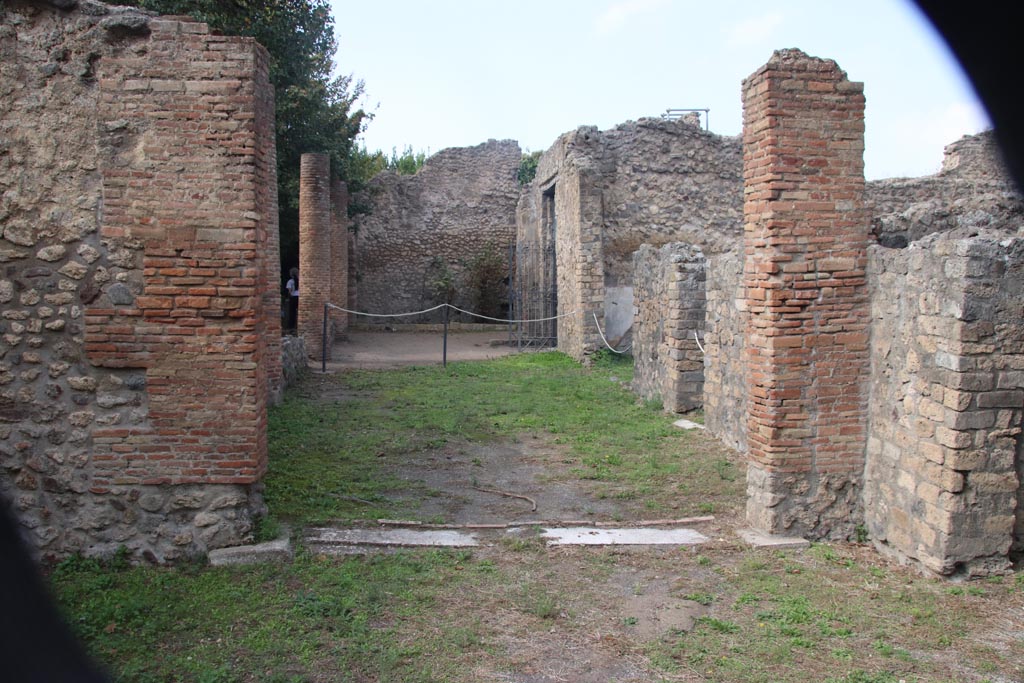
x,y
315,219
805,237
339,256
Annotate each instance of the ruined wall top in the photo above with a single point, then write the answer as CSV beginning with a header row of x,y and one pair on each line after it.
x,y
973,190
976,155
658,180
459,207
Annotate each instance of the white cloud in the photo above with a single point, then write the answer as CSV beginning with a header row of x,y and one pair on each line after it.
x,y
618,13
754,31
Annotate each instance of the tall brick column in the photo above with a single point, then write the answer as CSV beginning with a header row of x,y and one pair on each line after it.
x,y
805,237
339,256
315,221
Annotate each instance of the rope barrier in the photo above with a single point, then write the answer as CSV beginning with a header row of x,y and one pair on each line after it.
x,y
387,315
613,350
454,308
503,320
698,341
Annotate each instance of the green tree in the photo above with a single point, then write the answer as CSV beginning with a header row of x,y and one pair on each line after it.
x,y
406,163
315,112
528,167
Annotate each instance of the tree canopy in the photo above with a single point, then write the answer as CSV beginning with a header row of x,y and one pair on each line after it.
x,y
315,111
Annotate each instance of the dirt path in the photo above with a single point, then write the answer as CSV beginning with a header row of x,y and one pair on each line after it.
x,y
376,350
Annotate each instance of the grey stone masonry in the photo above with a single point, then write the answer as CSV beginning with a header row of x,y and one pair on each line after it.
x,y
947,395
726,388
973,190
436,227
668,283
599,195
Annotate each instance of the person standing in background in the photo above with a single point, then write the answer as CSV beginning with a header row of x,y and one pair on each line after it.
x,y
293,299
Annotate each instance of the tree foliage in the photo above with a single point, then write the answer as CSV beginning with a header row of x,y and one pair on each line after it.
x,y
528,167
406,163
315,111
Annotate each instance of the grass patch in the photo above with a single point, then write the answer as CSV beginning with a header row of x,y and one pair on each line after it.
x,y
331,442
271,622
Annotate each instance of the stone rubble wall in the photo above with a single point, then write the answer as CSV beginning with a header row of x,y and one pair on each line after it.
x,y
667,181
646,182
139,346
668,283
294,359
947,398
459,207
726,387
972,191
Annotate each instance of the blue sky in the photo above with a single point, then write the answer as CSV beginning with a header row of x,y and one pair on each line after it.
x,y
449,73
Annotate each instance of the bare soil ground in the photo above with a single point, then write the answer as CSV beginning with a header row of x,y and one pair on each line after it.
x,y
379,350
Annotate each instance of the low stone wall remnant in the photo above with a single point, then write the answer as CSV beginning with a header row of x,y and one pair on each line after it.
x,y
726,387
668,363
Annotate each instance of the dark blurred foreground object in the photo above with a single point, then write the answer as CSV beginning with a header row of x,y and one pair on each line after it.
x,y
985,36
36,646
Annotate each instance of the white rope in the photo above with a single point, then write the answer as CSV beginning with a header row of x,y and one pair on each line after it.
x,y
454,308
606,341
386,315
698,341
503,320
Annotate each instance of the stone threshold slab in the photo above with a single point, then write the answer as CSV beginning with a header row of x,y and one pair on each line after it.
x,y
605,536
434,538
348,541
760,539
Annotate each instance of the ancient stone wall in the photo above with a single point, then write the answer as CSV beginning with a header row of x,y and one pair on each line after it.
x,y
947,391
726,389
668,283
806,236
459,209
646,182
139,218
973,190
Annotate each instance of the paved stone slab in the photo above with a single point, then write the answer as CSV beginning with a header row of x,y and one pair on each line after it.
x,y
582,535
392,537
272,551
759,539
687,424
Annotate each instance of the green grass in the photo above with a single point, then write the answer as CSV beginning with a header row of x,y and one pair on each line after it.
x,y
827,610
329,457
261,623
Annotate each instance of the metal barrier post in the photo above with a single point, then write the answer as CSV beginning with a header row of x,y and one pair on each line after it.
x,y
444,348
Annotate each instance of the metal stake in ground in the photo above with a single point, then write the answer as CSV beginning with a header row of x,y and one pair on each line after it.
x,y
444,345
